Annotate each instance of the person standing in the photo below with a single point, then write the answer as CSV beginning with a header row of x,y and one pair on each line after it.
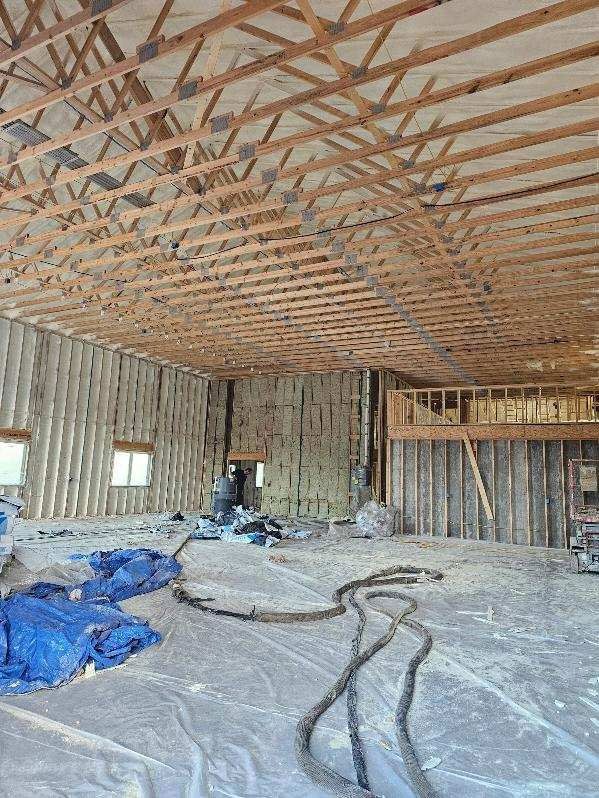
x,y
240,476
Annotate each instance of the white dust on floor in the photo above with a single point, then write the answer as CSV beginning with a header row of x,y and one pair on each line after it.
x,y
506,705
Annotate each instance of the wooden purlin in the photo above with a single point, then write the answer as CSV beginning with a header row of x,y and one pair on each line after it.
x,y
331,265
126,66
494,33
295,291
155,26
24,42
232,214
35,20
549,102
159,285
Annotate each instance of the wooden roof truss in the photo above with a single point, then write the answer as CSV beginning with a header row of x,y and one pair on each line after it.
x,y
261,186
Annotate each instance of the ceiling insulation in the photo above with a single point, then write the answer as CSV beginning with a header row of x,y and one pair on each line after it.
x,y
244,187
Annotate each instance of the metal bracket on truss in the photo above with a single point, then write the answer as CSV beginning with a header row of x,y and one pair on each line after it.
x,y
308,214
336,27
378,108
358,72
149,50
289,197
15,44
98,6
270,175
187,90
220,123
247,151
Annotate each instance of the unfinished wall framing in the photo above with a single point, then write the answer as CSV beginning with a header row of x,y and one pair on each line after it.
x,y
311,428
75,398
434,490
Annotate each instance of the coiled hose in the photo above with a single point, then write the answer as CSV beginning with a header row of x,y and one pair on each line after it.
x,y
320,774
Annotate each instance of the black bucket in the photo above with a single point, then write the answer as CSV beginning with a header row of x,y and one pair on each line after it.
x,y
223,495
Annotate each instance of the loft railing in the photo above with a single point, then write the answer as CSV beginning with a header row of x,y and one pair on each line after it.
x,y
494,404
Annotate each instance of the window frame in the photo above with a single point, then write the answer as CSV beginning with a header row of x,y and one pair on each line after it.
x,y
24,462
130,453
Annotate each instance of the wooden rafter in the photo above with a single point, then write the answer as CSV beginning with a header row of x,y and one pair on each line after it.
x,y
346,217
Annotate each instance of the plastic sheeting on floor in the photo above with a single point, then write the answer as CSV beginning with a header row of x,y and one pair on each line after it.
x,y
49,632
507,706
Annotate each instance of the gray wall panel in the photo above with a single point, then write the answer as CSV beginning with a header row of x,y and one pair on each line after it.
x,y
526,483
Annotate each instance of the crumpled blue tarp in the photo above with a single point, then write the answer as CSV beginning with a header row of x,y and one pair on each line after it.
x,y
46,642
49,632
121,574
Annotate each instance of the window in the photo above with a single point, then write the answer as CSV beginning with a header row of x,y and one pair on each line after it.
x,y
259,474
131,469
13,457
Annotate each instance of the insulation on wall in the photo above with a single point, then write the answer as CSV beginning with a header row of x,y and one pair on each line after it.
x,y
435,493
76,398
309,425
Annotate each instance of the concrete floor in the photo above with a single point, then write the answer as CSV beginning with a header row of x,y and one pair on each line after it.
x,y
506,705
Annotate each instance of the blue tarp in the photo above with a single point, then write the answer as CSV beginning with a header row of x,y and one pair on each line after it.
x,y
46,642
49,632
121,574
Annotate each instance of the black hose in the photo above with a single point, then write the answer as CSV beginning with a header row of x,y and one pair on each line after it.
x,y
319,773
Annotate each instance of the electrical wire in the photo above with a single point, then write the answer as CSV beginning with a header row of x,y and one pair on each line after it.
x,y
526,192
298,236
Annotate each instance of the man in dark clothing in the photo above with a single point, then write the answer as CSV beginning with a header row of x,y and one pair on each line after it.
x,y
240,475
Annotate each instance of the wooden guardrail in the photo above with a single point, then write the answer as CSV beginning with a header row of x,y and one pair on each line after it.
x,y
495,404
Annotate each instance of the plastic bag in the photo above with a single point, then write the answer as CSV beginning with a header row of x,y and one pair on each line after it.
x,y
376,520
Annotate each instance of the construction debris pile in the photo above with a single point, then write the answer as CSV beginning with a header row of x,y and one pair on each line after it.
x,y
245,526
